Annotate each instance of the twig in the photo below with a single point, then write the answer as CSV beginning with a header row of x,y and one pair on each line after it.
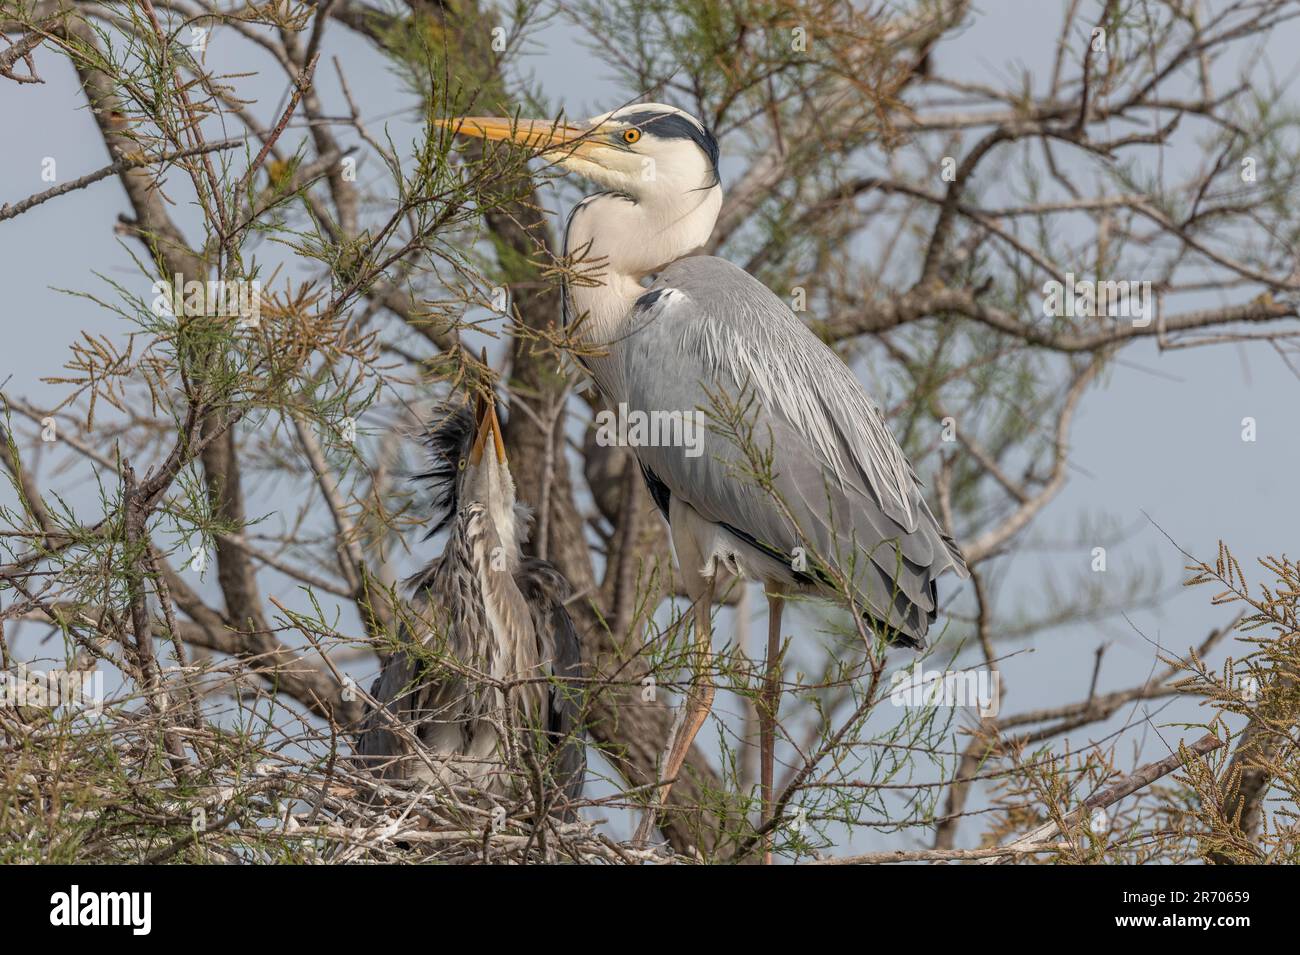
x,y
8,211
1139,779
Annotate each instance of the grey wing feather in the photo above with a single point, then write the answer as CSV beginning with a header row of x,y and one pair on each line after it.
x,y
838,468
395,690
409,697
545,590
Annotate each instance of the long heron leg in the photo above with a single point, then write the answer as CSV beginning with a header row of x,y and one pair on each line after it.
x,y
694,711
767,710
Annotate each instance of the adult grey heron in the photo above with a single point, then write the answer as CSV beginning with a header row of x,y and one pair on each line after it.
x,y
829,505
482,692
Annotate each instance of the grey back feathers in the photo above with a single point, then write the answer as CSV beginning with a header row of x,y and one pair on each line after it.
x,y
709,334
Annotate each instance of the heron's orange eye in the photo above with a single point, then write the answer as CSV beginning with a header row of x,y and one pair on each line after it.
x,y
631,135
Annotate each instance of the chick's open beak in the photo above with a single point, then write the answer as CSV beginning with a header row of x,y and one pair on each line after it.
x,y
486,422
543,135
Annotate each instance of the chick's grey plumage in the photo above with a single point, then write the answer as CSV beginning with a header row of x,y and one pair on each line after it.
x,y
480,610
702,337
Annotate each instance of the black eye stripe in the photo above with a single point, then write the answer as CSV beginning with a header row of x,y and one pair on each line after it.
x,y
675,126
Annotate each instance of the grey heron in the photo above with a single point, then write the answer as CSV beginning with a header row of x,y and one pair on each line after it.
x,y
484,686
839,513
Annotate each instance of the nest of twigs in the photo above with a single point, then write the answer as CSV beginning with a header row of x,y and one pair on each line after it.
x,y
129,785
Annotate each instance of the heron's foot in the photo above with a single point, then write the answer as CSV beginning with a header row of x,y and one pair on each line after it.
x,y
662,788
690,717
646,829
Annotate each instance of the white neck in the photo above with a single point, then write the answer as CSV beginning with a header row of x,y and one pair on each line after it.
x,y
616,241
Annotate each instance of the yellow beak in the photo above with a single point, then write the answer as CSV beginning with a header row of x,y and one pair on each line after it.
x,y
485,418
542,135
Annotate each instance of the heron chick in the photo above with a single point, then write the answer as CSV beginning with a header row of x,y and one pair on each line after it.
x,y
483,691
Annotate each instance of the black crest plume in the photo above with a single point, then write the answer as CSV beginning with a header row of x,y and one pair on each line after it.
x,y
448,436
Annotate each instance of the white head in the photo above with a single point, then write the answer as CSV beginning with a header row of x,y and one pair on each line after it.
x,y
659,163
647,151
